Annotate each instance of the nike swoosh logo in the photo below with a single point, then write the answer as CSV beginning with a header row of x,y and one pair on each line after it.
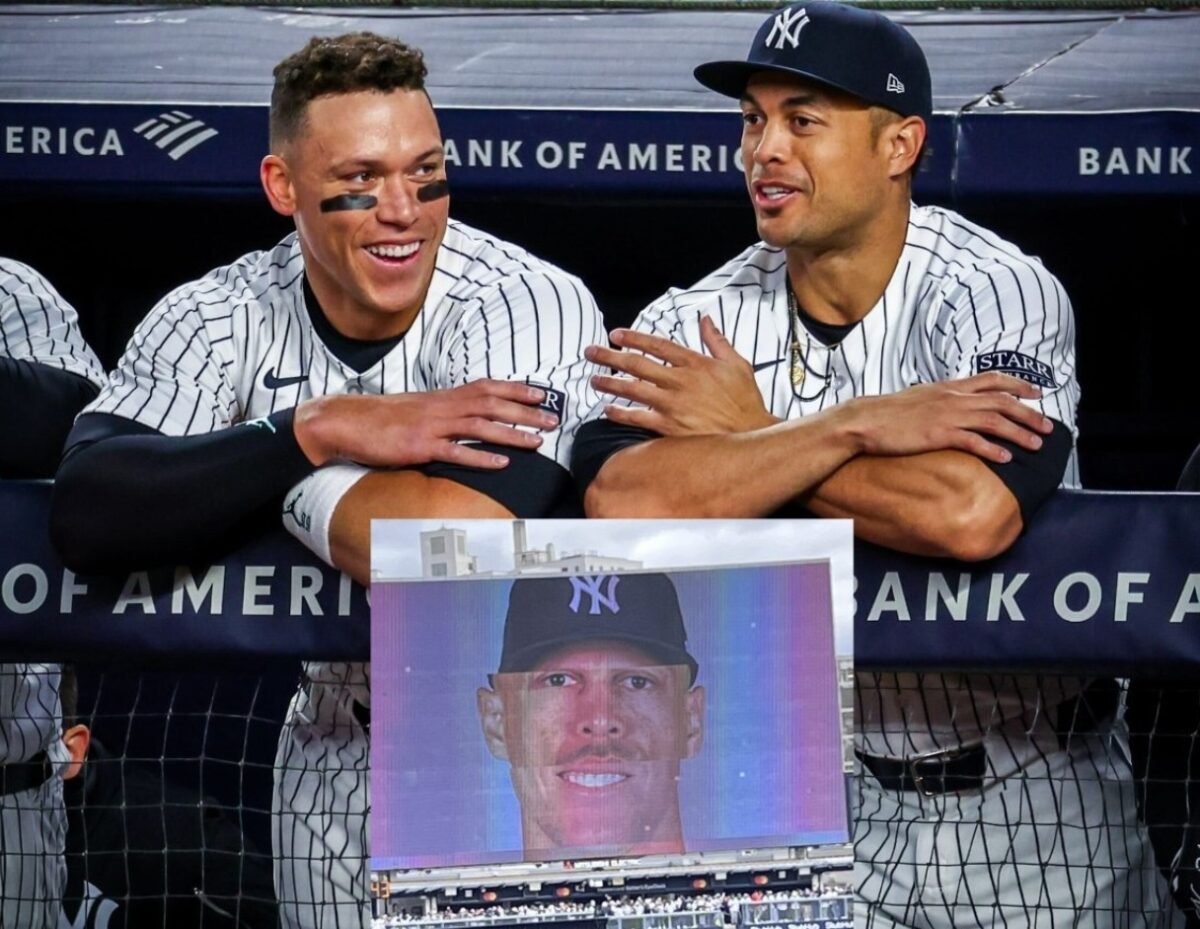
x,y
271,382
763,365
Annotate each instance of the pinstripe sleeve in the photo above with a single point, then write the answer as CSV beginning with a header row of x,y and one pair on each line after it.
x,y
1013,317
172,376
663,318
533,327
29,710
38,325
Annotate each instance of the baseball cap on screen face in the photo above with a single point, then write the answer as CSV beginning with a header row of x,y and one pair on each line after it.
x,y
857,51
547,613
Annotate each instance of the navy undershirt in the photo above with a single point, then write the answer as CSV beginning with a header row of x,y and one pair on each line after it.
x,y
37,406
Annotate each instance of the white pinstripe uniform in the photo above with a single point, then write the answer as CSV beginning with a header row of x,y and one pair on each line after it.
x,y
197,363
961,300
36,325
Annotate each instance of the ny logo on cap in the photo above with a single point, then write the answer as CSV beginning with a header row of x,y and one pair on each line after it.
x,y
591,587
786,29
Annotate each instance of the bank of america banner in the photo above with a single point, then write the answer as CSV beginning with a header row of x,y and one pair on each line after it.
x,y
1101,581
155,149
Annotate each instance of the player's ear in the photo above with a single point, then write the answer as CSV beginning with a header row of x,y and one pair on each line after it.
x,y
491,717
77,739
694,707
904,140
276,180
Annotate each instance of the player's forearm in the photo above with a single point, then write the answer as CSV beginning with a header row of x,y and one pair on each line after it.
x,y
940,504
403,494
141,499
37,406
738,475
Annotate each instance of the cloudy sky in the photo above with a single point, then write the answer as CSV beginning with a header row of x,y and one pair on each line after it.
x,y
395,549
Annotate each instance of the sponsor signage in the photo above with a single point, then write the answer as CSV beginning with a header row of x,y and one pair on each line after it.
x,y
1099,581
1066,153
634,152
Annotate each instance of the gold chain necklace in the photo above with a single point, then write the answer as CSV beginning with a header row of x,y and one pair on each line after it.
x,y
799,366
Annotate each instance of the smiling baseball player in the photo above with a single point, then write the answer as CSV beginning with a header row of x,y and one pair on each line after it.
x,y
904,367
47,373
382,333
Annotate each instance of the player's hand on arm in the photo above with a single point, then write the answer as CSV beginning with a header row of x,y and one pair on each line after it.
x,y
943,495
755,473
401,430
686,392
331,510
967,415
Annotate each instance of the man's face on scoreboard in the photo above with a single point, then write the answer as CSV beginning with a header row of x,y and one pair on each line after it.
x,y
364,181
595,734
818,168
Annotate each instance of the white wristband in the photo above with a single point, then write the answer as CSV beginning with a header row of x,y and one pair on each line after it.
x,y
308,507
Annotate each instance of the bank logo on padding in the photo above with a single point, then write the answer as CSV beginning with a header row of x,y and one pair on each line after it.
x,y
175,132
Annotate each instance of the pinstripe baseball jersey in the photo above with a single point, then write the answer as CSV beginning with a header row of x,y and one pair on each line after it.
x,y
30,712
36,324
239,343
960,302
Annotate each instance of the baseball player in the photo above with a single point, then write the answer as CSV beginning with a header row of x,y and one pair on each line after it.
x,y
47,374
849,363
381,334
145,851
594,707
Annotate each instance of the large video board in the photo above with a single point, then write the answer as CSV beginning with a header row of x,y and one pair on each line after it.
x,y
567,717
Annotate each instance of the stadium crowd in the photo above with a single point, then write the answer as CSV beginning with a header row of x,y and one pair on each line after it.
x,y
734,908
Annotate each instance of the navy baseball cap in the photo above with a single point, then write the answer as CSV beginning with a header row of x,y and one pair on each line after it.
x,y
547,613
857,51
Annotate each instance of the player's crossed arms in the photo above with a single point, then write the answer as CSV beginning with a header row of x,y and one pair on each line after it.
x,y
687,393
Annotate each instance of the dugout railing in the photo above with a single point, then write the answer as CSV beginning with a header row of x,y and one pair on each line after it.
x,y
188,668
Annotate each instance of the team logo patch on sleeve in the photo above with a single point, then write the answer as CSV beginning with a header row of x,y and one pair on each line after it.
x,y
1025,367
555,402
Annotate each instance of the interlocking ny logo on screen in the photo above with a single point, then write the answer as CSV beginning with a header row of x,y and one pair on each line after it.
x,y
591,587
175,132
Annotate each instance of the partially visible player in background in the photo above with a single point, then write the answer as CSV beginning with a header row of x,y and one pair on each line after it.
x,y
380,334
47,374
144,851
995,800
1164,720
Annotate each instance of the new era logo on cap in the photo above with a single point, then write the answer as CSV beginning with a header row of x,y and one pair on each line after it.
x,y
895,85
786,31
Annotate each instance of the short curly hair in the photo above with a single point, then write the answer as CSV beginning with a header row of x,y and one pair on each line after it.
x,y
340,64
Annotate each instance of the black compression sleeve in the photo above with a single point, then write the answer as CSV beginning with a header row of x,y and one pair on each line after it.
x,y
532,485
596,442
37,406
1033,476
129,497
